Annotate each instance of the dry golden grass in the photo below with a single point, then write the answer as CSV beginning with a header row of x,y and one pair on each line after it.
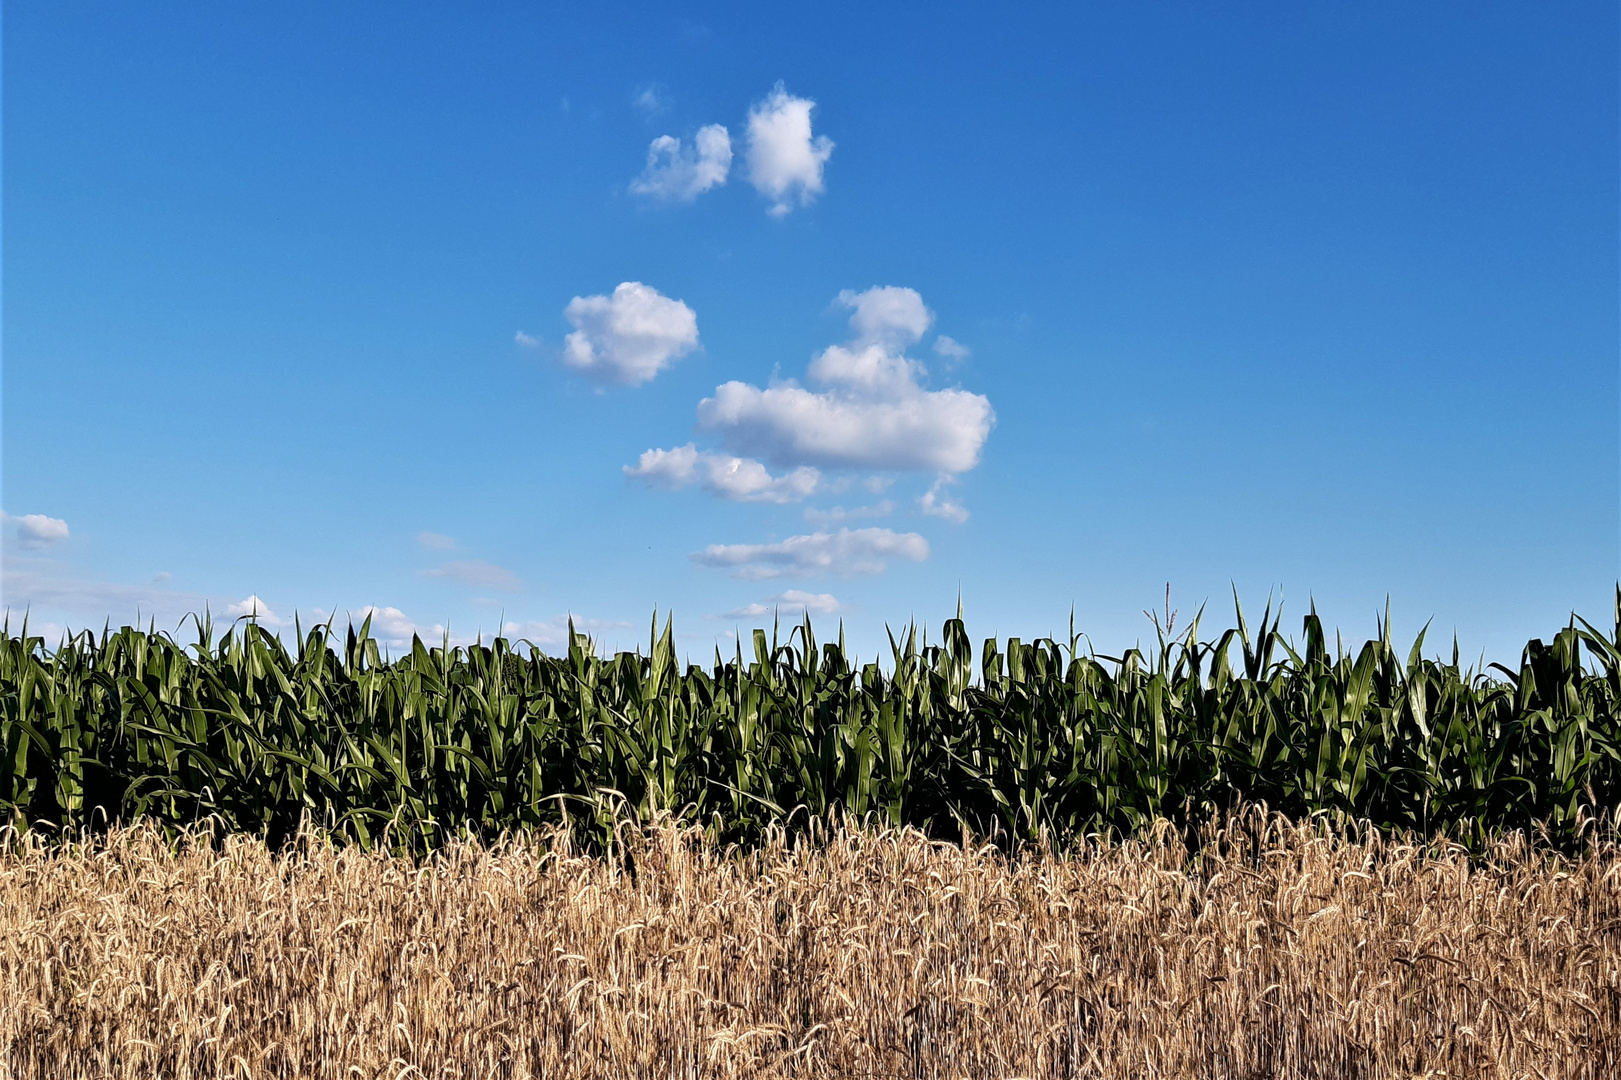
x,y
1281,951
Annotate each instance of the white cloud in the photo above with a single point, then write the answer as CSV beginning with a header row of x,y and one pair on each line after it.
x,y
950,348
785,161
791,602
476,573
888,315
874,413
629,337
528,341
36,531
734,478
436,541
847,552
254,608
936,503
836,515
393,627
678,173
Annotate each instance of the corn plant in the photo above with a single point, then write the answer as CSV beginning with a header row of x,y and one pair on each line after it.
x,y
1030,741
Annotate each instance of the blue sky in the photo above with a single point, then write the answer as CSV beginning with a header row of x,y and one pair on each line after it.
x,y
349,306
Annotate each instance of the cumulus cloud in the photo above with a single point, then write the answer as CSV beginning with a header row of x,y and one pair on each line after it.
x,y
950,348
785,161
479,574
36,531
528,341
838,514
254,608
848,552
888,315
734,478
676,172
393,627
629,337
936,503
791,602
874,411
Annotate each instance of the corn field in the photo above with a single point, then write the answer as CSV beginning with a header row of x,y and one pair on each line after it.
x,y
1039,741
1263,949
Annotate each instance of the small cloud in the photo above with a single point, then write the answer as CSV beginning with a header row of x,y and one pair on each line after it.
x,y
528,341
888,315
161,577
36,531
478,574
393,627
950,348
785,160
253,608
734,478
878,484
838,514
436,541
629,337
848,552
651,100
791,602
677,173
936,503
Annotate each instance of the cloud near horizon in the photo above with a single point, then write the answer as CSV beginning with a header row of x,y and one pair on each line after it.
x,y
628,338
847,553
255,609
787,603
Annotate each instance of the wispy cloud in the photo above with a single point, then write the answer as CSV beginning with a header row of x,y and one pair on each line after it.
x,y
553,633
936,503
837,514
46,586
476,573
436,541
846,553
791,602
651,99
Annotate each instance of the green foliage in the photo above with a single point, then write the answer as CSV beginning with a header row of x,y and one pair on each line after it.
x,y
1037,739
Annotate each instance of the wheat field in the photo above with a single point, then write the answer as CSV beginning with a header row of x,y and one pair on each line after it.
x,y
1268,950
